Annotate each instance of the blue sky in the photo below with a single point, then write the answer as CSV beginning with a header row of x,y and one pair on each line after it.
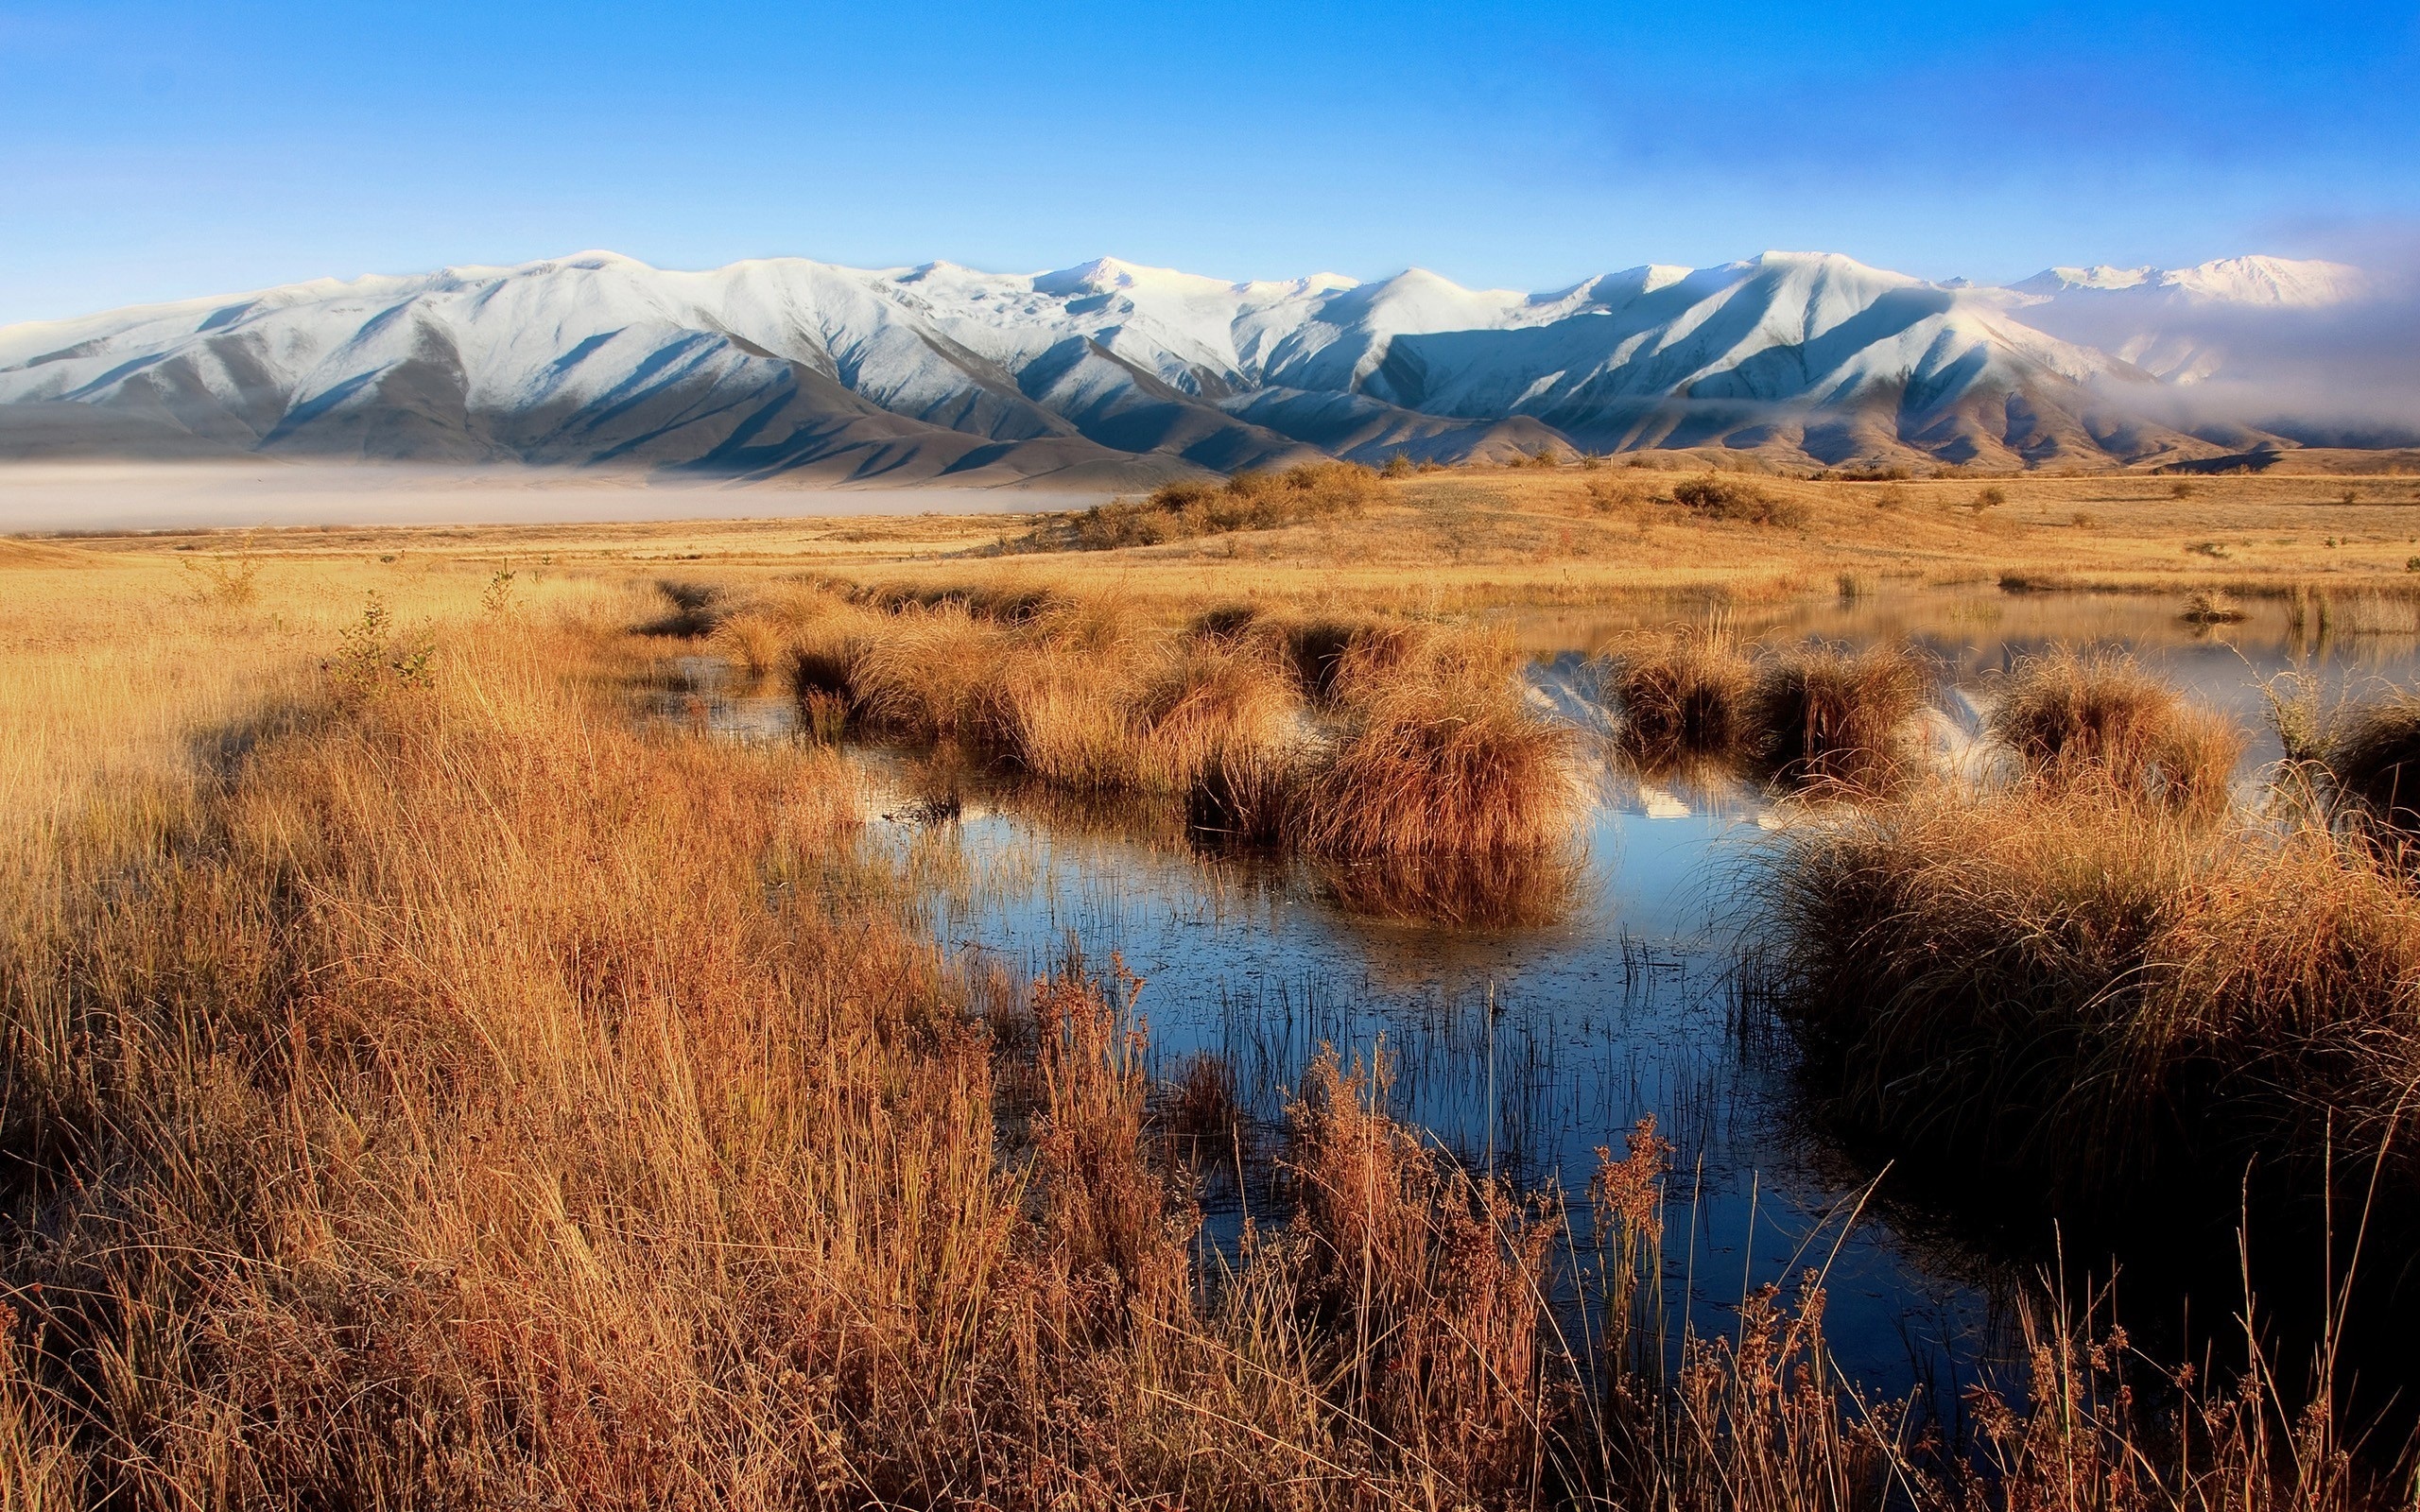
x,y
153,150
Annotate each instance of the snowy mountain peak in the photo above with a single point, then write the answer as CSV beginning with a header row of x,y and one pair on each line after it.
x,y
2256,279
1112,372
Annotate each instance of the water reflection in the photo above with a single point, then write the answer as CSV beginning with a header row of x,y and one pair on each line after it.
x,y
1534,1012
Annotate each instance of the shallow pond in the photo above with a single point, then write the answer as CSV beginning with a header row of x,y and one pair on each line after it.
x,y
1523,1047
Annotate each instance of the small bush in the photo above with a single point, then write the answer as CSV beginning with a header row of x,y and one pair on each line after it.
x,y
1607,496
1991,498
1716,498
1182,511
2214,606
228,582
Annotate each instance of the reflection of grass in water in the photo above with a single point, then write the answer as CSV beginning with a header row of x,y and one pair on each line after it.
x,y
1510,890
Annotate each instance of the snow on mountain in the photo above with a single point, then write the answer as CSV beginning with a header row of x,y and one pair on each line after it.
x,y
2167,321
1109,372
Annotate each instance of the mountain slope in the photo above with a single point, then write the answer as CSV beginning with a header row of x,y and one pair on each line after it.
x,y
1106,374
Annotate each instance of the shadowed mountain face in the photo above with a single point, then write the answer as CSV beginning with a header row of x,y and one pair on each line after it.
x,y
1106,375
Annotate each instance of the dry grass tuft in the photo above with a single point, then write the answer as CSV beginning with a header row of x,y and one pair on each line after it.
x,y
1439,756
2370,763
2101,994
2096,719
1682,694
1827,715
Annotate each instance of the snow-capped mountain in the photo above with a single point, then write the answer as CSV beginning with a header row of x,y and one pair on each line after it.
x,y
1107,373
2161,319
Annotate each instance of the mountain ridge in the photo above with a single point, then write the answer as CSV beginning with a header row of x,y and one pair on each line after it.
x,y
1113,373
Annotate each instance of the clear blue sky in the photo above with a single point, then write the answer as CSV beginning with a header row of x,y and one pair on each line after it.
x,y
151,150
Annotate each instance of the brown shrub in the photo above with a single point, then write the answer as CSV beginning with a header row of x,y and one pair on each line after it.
x,y
1717,496
1181,511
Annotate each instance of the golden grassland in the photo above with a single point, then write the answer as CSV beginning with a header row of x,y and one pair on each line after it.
x,y
427,1084
1562,535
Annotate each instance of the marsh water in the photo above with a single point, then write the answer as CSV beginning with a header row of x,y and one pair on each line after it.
x,y
1596,996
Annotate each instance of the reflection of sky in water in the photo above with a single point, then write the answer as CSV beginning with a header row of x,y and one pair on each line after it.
x,y
1620,1009
1620,1012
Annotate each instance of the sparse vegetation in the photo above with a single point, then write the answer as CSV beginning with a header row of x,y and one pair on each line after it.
x,y
1182,511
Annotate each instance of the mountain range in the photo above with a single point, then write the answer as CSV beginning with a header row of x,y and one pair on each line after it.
x,y
1109,376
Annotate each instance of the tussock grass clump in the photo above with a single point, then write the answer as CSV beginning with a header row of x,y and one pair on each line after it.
x,y
2369,762
1827,715
1331,654
929,675
2096,719
1221,725
1681,694
2104,995
754,644
695,608
1442,757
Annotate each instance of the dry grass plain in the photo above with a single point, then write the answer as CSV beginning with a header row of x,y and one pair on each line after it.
x,y
426,1085
1477,536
